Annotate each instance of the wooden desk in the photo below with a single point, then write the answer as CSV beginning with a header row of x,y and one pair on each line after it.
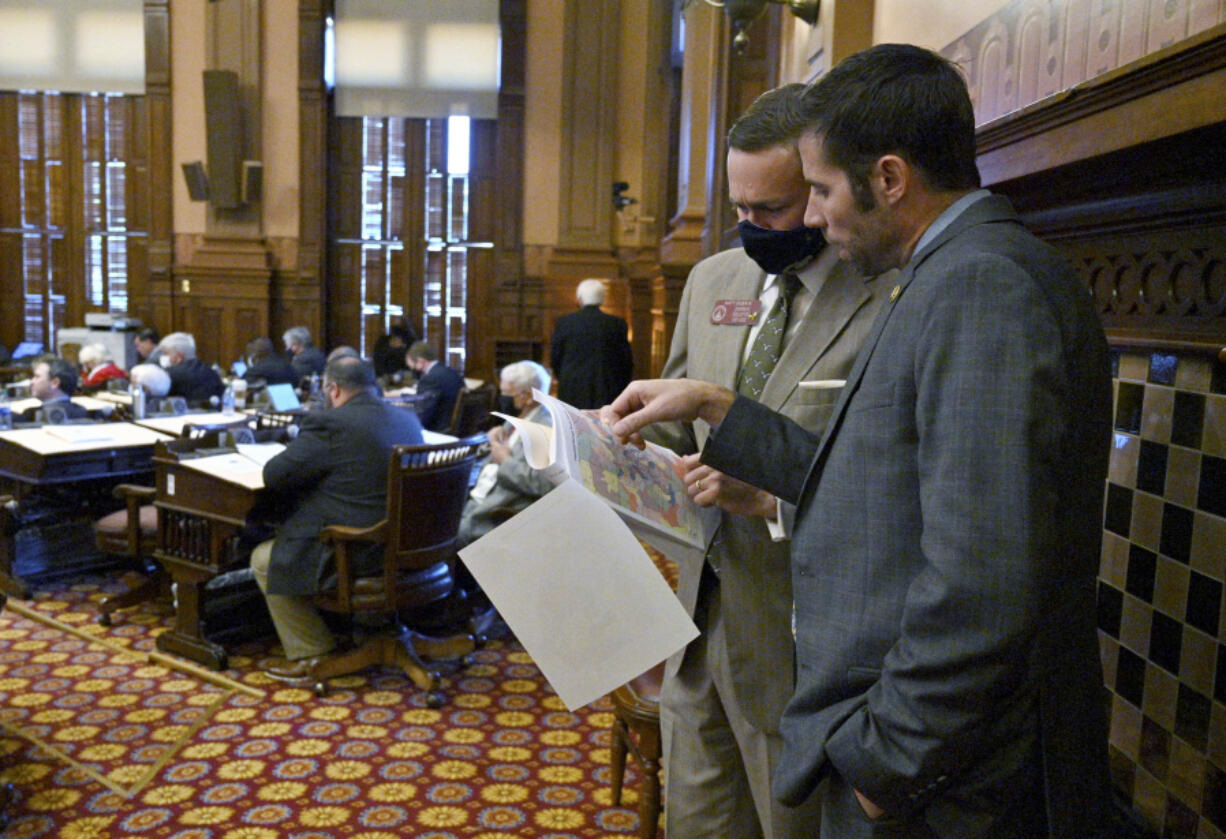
x,y
199,519
35,457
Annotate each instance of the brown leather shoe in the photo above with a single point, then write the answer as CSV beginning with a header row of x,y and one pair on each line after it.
x,y
298,670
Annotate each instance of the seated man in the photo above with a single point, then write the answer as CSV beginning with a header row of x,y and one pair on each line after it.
x,y
146,342
98,366
265,365
307,359
54,381
438,386
190,377
507,484
333,472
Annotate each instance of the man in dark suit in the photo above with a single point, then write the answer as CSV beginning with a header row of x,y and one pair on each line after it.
x,y
437,387
333,472
54,381
590,353
265,365
948,530
190,377
307,359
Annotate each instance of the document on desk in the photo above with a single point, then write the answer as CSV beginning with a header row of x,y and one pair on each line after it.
x,y
232,467
56,439
260,453
580,593
174,425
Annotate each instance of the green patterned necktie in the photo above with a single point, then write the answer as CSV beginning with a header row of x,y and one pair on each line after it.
x,y
768,346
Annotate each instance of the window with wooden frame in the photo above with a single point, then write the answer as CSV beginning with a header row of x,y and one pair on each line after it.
x,y
403,244
68,236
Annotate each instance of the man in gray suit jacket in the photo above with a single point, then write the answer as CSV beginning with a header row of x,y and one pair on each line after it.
x,y
333,472
724,693
948,527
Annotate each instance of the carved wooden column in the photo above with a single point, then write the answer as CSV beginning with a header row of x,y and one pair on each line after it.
x,y
703,86
589,118
153,301
642,156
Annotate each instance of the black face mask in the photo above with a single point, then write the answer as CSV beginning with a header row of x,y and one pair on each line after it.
x,y
777,250
506,405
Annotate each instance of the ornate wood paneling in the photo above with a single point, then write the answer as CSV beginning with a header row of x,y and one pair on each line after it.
x,y
1032,49
1139,200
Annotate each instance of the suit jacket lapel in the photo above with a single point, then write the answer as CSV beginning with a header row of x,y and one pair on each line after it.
x,y
825,319
725,355
993,208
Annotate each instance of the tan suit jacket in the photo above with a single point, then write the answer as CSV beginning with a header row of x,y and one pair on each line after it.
x,y
755,581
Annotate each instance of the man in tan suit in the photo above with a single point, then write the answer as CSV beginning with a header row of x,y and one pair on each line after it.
x,y
723,695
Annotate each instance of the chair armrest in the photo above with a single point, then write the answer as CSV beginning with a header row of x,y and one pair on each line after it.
x,y
343,533
126,492
340,536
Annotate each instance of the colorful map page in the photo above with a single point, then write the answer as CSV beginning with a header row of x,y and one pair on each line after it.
x,y
648,484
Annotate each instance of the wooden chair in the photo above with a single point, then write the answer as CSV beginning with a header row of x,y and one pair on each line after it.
x,y
132,531
472,410
426,488
636,729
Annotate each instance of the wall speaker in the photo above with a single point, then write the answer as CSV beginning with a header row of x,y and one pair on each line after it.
x,y
253,181
224,136
197,181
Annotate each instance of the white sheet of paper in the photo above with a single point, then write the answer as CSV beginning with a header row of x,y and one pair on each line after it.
x,y
260,453
580,594
232,467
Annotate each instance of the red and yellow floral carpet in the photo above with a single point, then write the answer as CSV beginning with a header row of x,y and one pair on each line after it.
x,y
100,740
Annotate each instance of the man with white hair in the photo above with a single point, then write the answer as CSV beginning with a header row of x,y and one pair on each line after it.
x,y
506,481
151,377
190,377
307,358
590,353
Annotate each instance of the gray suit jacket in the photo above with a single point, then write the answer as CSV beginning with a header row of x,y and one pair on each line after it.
x,y
755,582
947,545
333,472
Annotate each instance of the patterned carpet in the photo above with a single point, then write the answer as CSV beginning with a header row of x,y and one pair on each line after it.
x,y
102,741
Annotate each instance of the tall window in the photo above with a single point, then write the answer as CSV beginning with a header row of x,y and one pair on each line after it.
x,y
69,234
410,251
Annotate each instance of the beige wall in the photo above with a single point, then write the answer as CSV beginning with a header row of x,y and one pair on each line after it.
x,y
932,24
542,121
280,118
279,95
187,27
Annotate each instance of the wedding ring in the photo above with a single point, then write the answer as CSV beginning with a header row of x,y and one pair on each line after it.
x,y
698,484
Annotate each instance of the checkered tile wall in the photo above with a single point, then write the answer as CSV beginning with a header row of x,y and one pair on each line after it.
x,y
1161,611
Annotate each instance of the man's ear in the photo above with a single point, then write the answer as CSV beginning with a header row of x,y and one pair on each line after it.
x,y
894,178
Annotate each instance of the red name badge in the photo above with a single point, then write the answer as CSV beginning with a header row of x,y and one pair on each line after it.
x,y
736,312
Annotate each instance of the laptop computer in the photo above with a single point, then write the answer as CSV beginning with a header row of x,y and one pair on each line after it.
x,y
281,397
26,350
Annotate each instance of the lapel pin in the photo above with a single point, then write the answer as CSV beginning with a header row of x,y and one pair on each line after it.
x,y
894,292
